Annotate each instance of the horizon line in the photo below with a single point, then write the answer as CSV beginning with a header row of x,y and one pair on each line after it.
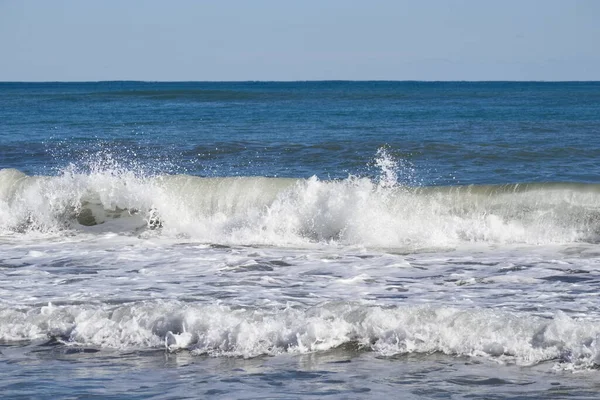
x,y
302,81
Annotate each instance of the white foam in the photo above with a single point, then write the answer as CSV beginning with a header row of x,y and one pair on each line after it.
x,y
286,212
220,330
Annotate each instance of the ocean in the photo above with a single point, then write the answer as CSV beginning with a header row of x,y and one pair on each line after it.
x,y
299,240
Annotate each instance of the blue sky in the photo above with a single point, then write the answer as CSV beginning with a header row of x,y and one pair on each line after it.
x,y
69,40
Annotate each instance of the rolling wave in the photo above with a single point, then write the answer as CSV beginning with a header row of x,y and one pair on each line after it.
x,y
219,330
281,211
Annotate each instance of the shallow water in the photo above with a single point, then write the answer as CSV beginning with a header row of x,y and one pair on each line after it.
x,y
337,374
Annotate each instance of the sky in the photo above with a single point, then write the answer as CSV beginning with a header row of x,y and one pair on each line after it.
x,y
273,40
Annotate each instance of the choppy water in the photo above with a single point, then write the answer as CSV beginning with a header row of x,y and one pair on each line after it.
x,y
252,240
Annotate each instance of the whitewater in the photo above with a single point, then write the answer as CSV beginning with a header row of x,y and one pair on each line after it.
x,y
243,276
369,242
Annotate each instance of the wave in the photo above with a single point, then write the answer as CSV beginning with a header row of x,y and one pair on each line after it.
x,y
282,211
219,330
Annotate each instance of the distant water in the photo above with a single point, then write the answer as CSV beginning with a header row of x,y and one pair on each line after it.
x,y
289,240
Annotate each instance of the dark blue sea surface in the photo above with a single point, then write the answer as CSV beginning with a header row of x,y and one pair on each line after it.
x,y
449,132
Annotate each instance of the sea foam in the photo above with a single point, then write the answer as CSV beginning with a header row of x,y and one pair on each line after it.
x,y
281,212
220,330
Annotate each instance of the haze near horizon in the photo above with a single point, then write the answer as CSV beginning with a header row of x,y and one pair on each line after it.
x,y
552,40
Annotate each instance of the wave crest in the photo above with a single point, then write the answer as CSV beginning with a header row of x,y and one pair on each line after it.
x,y
278,211
219,330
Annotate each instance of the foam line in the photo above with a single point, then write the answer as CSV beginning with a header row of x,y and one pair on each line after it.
x,y
219,330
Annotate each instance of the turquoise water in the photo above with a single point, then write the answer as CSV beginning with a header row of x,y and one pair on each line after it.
x,y
290,240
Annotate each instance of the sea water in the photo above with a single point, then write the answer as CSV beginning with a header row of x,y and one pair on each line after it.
x,y
290,240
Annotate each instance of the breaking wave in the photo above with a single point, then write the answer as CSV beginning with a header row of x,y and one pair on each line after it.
x,y
219,330
281,211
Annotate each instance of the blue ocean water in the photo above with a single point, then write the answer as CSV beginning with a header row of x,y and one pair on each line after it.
x,y
299,239
451,132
